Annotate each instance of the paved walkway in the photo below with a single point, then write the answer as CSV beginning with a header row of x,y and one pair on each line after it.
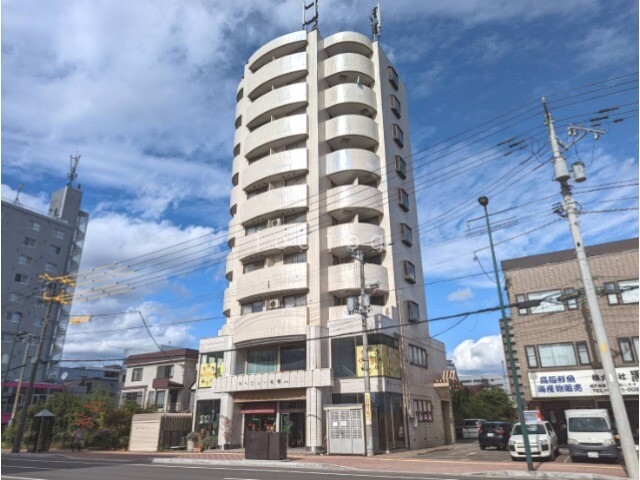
x,y
414,461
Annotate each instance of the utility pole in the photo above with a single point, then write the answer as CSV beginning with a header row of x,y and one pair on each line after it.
x,y
615,395
484,201
55,294
22,367
362,307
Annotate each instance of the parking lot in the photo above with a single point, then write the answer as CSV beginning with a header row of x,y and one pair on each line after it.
x,y
469,449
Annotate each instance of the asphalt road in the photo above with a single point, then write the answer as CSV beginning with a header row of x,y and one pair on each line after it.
x,y
57,468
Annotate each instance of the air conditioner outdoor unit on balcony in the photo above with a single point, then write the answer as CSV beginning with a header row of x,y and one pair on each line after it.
x,y
275,222
273,304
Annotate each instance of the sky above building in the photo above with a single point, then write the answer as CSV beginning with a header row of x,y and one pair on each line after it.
x,y
145,92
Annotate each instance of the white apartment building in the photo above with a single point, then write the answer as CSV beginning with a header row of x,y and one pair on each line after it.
x,y
322,166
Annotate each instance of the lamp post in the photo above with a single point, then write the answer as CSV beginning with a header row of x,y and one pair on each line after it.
x,y
484,201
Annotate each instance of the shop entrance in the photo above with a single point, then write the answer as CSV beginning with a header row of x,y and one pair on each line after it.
x,y
293,424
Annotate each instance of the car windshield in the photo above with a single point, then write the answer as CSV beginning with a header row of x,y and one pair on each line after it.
x,y
588,424
531,429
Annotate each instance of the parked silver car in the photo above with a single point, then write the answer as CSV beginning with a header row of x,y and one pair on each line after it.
x,y
471,426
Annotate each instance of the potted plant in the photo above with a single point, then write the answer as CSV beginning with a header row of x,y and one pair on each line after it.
x,y
192,438
209,442
226,428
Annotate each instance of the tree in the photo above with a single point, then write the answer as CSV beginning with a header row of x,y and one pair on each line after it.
x,y
488,403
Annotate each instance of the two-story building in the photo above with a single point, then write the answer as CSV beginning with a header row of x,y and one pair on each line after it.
x,y
162,379
556,351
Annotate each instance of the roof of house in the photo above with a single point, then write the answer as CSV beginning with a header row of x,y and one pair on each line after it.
x,y
162,356
566,255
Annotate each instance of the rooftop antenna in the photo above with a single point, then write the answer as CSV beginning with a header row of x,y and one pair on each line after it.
x,y
73,166
313,22
376,22
17,200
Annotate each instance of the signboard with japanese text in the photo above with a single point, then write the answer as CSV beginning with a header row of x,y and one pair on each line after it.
x,y
581,383
383,361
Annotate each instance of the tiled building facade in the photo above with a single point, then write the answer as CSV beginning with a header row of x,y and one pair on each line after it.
x,y
321,168
555,346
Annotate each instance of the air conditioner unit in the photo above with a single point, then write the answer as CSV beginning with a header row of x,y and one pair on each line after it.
x,y
276,222
273,304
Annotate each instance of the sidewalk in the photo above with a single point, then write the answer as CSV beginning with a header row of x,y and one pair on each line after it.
x,y
414,461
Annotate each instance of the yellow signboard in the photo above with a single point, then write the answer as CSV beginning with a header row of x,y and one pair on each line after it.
x,y
209,371
383,361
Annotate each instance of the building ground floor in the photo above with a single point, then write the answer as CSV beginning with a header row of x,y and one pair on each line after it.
x,y
11,393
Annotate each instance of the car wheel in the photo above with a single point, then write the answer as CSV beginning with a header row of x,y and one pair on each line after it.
x,y
482,447
552,455
514,459
574,459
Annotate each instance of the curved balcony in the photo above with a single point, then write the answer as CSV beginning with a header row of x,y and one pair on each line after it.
x,y
343,202
347,67
280,72
237,165
344,166
283,238
276,134
228,271
277,48
233,199
280,201
348,42
281,322
277,102
272,281
235,229
351,131
287,164
350,98
364,235
345,279
227,300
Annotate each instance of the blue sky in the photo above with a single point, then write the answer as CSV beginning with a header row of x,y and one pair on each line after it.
x,y
144,91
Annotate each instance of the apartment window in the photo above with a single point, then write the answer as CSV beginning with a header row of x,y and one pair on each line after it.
x,y
406,234
583,353
401,166
136,374
239,121
418,356
22,278
251,307
520,299
301,180
413,311
623,292
8,337
257,191
625,350
252,266
296,218
298,257
16,298
160,396
35,226
396,106
37,322
13,317
571,298
54,250
262,360
392,75
58,233
532,359
557,355
50,267
293,358
409,271
255,228
29,242
403,199
25,260
548,301
398,135
423,410
292,301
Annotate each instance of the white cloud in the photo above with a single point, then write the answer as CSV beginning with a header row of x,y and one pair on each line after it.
x,y
484,354
38,203
460,295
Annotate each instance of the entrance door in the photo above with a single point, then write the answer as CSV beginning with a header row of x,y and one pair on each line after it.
x,y
293,424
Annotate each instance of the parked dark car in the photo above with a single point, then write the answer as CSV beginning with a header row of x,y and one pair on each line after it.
x,y
494,434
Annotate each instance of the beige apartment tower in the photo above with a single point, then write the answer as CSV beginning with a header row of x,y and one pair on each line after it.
x,y
322,168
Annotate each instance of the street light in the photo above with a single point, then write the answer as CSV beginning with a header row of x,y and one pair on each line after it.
x,y
484,201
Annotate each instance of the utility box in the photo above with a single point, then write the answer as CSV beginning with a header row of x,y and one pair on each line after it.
x,y
265,445
345,429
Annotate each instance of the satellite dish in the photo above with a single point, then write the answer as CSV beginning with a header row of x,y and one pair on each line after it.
x,y
64,375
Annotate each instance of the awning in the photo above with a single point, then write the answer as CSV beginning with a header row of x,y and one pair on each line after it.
x,y
259,407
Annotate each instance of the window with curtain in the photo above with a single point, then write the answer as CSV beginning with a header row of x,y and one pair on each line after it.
x,y
532,360
262,361
293,358
625,350
557,355
549,301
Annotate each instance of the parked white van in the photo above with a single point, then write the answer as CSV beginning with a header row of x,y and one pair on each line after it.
x,y
589,434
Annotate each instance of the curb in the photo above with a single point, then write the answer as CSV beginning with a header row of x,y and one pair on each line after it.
x,y
289,463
